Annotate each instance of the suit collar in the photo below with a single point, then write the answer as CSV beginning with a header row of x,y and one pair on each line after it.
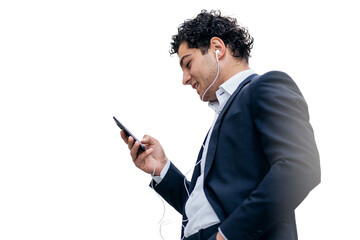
x,y
227,89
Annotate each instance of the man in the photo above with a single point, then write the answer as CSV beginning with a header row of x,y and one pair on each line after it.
x,y
259,159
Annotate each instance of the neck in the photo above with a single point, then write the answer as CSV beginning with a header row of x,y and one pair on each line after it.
x,y
234,68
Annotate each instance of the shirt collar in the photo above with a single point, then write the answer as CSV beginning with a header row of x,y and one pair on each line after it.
x,y
227,89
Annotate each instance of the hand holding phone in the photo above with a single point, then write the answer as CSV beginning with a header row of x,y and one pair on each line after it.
x,y
128,133
151,160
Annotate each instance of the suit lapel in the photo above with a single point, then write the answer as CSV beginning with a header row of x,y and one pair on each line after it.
x,y
197,169
215,133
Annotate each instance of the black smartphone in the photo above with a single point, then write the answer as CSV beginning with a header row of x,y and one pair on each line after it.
x,y
128,133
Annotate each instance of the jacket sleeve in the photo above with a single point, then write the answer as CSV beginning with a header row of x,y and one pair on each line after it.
x,y
280,116
172,188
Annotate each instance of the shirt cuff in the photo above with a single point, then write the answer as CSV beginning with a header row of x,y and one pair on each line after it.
x,y
222,234
163,172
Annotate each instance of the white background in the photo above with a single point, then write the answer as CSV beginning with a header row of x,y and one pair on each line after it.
x,y
66,67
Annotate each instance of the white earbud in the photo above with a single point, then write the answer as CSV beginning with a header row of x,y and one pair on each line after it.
x,y
216,53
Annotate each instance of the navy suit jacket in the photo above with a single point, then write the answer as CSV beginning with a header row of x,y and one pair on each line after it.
x,y
261,163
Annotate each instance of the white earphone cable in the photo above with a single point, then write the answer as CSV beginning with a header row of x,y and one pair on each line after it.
x,y
161,222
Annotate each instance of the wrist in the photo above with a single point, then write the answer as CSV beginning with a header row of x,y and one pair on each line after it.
x,y
164,168
158,178
160,168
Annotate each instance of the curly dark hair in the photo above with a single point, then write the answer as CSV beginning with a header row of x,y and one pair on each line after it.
x,y
198,32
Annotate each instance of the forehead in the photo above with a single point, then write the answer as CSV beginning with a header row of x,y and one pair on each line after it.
x,y
183,49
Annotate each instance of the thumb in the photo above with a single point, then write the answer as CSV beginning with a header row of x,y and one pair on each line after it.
x,y
147,139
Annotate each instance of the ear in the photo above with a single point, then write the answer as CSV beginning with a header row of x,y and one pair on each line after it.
x,y
217,43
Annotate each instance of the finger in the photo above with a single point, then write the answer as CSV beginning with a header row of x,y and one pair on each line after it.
x,y
142,161
131,142
124,136
147,139
146,153
134,149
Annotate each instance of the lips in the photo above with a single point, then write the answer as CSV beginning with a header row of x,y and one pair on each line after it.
x,y
195,85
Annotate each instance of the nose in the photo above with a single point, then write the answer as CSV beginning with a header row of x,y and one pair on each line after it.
x,y
186,78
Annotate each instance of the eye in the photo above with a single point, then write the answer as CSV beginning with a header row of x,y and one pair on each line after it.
x,y
188,64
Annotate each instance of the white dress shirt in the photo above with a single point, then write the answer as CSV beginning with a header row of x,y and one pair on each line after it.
x,y
198,209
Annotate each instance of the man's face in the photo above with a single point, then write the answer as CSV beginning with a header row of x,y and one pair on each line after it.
x,y
199,70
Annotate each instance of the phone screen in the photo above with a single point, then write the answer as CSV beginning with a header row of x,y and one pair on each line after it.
x,y
122,127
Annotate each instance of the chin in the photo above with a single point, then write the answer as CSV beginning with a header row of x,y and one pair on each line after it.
x,y
205,99
200,96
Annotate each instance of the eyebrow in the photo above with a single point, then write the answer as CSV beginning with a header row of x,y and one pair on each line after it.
x,y
182,59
